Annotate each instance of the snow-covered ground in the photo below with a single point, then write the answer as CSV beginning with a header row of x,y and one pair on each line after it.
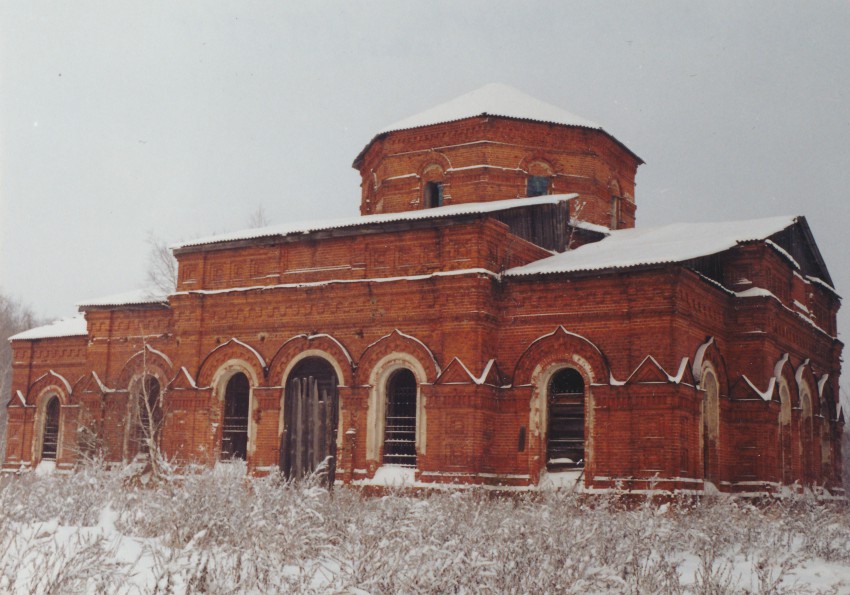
x,y
219,531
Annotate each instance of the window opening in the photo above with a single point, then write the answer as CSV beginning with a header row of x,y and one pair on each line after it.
x,y
433,195
400,428
565,438
150,413
234,435
538,185
50,439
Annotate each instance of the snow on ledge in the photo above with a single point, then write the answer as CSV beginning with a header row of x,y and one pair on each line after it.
x,y
67,327
479,380
391,476
765,395
45,468
572,479
696,370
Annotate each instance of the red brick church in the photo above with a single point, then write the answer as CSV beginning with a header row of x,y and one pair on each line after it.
x,y
492,317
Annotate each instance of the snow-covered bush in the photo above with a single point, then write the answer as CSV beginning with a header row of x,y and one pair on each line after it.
x,y
224,532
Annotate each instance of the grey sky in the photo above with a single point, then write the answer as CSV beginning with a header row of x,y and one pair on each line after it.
x,y
122,118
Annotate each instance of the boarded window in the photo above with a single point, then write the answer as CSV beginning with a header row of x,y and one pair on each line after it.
x,y
234,435
433,195
565,436
150,413
50,440
538,185
400,428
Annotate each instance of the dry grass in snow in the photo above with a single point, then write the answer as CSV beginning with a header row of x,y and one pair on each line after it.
x,y
221,532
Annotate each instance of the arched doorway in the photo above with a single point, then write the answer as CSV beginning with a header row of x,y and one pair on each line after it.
x,y
565,431
234,431
310,419
400,426
50,435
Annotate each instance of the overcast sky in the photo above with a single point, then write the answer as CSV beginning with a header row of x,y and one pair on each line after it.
x,y
122,119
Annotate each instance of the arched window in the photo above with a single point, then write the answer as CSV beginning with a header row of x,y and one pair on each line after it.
x,y
149,418
785,449
234,435
400,427
826,435
565,432
539,181
711,424
50,436
806,433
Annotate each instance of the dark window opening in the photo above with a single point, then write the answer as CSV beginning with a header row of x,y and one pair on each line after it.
x,y
50,439
538,185
234,434
400,428
150,414
565,436
433,195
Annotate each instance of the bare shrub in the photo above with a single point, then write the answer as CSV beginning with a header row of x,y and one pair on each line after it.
x,y
221,531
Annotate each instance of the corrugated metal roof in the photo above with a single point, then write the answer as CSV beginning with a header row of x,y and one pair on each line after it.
x,y
67,327
493,100
656,245
305,227
138,297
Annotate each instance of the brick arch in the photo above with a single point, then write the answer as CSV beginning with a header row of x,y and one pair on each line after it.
x,y
433,158
804,376
317,345
562,346
396,342
147,360
783,371
539,157
709,353
89,383
44,383
233,349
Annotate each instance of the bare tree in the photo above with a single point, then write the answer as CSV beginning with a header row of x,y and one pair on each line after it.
x,y
146,408
162,267
258,218
14,318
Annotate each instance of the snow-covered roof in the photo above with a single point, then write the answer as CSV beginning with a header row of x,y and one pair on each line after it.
x,y
494,100
491,100
655,245
137,297
66,327
305,227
